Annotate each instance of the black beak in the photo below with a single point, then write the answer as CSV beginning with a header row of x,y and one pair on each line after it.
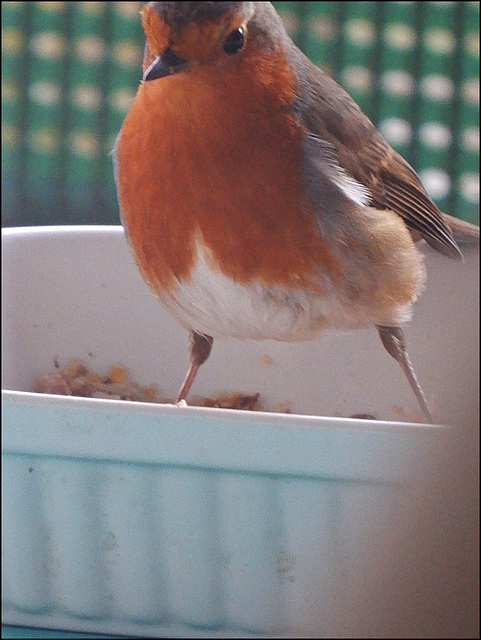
x,y
165,65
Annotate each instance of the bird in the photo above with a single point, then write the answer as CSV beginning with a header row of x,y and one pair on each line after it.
x,y
258,200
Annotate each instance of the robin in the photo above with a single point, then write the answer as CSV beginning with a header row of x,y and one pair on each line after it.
x,y
258,200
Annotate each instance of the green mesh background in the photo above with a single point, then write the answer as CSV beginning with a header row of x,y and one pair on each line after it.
x,y
70,70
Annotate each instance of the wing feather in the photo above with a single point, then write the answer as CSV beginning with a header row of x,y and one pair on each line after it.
x,y
330,114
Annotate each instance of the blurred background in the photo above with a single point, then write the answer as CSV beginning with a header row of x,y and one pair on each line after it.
x,y
71,69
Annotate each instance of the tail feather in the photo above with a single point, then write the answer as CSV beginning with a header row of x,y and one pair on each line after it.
x,y
463,232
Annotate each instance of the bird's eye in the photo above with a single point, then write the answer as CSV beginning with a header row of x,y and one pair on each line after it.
x,y
235,41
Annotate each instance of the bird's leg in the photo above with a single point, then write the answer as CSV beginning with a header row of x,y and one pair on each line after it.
x,y
393,341
200,347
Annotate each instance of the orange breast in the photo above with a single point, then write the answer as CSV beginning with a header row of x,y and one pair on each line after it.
x,y
218,157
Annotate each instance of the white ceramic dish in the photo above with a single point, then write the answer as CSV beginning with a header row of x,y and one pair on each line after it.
x,y
155,520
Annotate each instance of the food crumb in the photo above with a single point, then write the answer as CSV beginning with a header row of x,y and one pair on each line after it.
x,y
234,400
75,369
398,411
117,374
266,361
77,380
52,383
284,407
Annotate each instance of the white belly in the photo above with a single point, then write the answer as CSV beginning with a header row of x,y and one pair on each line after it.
x,y
212,304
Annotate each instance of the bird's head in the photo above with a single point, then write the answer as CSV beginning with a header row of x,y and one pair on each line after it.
x,y
183,35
